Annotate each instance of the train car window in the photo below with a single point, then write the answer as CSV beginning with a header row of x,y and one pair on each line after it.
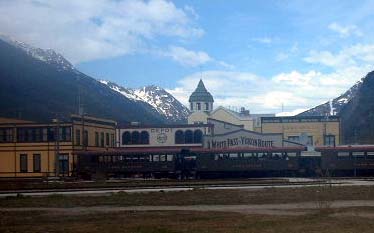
x,y
156,158
358,154
247,155
343,154
163,158
216,157
291,154
101,159
170,157
370,155
150,158
233,155
115,158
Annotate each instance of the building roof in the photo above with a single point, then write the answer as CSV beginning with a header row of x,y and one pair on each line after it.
x,y
201,94
237,115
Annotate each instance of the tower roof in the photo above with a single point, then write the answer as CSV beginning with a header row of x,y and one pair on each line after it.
x,y
201,94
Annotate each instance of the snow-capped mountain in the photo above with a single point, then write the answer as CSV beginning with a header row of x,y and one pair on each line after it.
x,y
162,101
46,55
334,106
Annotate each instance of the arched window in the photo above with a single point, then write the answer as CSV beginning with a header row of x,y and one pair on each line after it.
x,y
197,136
179,137
144,137
188,137
126,138
135,137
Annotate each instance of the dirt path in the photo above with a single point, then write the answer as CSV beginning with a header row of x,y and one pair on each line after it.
x,y
269,209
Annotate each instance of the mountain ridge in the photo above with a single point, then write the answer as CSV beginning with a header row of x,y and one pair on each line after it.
x,y
48,86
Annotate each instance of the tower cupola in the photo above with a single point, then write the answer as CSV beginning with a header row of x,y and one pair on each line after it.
x,y
201,100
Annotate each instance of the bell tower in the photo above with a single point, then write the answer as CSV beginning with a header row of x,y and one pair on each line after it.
x,y
201,100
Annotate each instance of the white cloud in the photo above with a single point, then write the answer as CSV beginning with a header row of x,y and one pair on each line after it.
x,y
345,31
88,30
294,91
187,57
263,40
349,56
282,56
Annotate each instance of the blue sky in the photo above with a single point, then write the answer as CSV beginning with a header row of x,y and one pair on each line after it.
x,y
258,54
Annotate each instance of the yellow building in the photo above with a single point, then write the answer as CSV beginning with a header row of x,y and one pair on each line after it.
x,y
313,130
29,149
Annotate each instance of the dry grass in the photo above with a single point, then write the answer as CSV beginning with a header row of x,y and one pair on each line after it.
x,y
320,195
30,185
172,222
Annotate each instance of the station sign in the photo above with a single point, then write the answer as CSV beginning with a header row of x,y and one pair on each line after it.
x,y
242,138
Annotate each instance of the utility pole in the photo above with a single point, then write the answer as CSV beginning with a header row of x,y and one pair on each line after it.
x,y
57,145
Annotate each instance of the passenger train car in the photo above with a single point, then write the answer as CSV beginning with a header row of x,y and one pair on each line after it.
x,y
182,163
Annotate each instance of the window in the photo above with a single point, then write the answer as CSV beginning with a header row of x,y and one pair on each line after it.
x,y
170,157
191,106
65,134
144,137
206,106
343,154
107,139
78,137
359,155
179,137
23,163
233,155
85,138
37,162
112,139
126,138
102,139
188,137
97,139
370,155
294,138
135,137
198,105
310,141
329,140
198,136
63,164
6,135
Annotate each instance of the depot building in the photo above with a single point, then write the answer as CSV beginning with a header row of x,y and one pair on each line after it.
x,y
225,128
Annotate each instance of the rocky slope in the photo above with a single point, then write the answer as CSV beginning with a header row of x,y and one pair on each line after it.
x,y
334,106
162,101
39,85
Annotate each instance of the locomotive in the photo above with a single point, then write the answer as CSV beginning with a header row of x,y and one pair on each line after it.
x,y
182,163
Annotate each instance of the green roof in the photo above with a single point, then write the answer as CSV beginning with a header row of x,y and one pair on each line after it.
x,y
201,94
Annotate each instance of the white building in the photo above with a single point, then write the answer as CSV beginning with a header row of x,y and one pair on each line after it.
x,y
201,106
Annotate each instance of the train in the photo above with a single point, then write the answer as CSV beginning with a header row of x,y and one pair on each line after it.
x,y
195,163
